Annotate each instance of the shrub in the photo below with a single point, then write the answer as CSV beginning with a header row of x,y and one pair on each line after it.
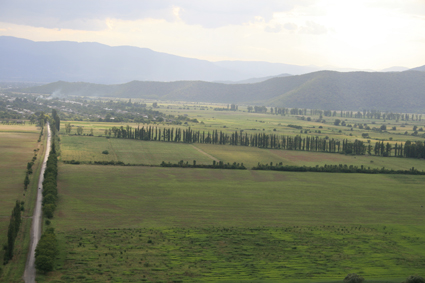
x,y
414,279
105,152
353,278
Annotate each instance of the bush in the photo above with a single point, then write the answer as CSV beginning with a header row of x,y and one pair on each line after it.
x,y
105,152
353,278
414,279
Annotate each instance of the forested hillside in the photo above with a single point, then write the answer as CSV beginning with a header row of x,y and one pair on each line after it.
x,y
328,90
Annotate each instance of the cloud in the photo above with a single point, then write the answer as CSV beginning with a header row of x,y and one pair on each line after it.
x,y
276,28
290,26
91,14
408,7
313,28
309,28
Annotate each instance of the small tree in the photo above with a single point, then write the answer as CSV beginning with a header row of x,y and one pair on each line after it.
x,y
79,130
26,181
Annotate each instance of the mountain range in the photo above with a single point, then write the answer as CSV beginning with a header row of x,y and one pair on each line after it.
x,y
329,90
24,60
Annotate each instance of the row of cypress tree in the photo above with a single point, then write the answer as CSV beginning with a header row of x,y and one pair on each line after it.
x,y
261,140
273,141
12,232
341,168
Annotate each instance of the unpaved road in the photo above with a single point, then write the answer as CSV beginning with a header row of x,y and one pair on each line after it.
x,y
29,273
203,152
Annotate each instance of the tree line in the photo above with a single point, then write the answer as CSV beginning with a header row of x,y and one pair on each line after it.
x,y
261,140
215,165
12,232
336,169
46,251
272,141
50,192
364,114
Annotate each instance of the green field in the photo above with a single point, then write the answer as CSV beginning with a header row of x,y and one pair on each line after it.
x,y
86,148
134,197
251,123
250,156
215,254
208,224
17,145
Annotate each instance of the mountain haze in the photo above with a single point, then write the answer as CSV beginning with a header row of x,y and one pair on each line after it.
x,y
390,91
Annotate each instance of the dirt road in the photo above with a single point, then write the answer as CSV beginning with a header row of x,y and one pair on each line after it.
x,y
29,273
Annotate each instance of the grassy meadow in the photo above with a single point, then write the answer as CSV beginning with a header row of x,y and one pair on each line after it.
x,y
119,224
250,156
217,254
251,123
150,197
87,148
17,145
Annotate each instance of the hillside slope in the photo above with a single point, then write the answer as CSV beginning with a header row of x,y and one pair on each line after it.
x,y
391,91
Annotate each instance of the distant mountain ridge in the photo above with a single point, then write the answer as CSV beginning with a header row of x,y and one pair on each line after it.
x,y
329,90
422,69
24,60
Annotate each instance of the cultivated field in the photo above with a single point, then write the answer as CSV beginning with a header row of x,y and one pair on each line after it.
x,y
84,148
216,254
250,156
87,148
147,197
205,224
251,123
17,145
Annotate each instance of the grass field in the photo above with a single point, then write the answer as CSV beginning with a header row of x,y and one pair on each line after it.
x,y
250,156
215,225
279,254
251,123
17,144
86,148
83,148
148,197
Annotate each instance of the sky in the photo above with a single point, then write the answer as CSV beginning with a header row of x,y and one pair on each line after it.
x,y
363,34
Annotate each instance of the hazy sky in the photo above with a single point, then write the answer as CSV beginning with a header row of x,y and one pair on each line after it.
x,y
373,34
